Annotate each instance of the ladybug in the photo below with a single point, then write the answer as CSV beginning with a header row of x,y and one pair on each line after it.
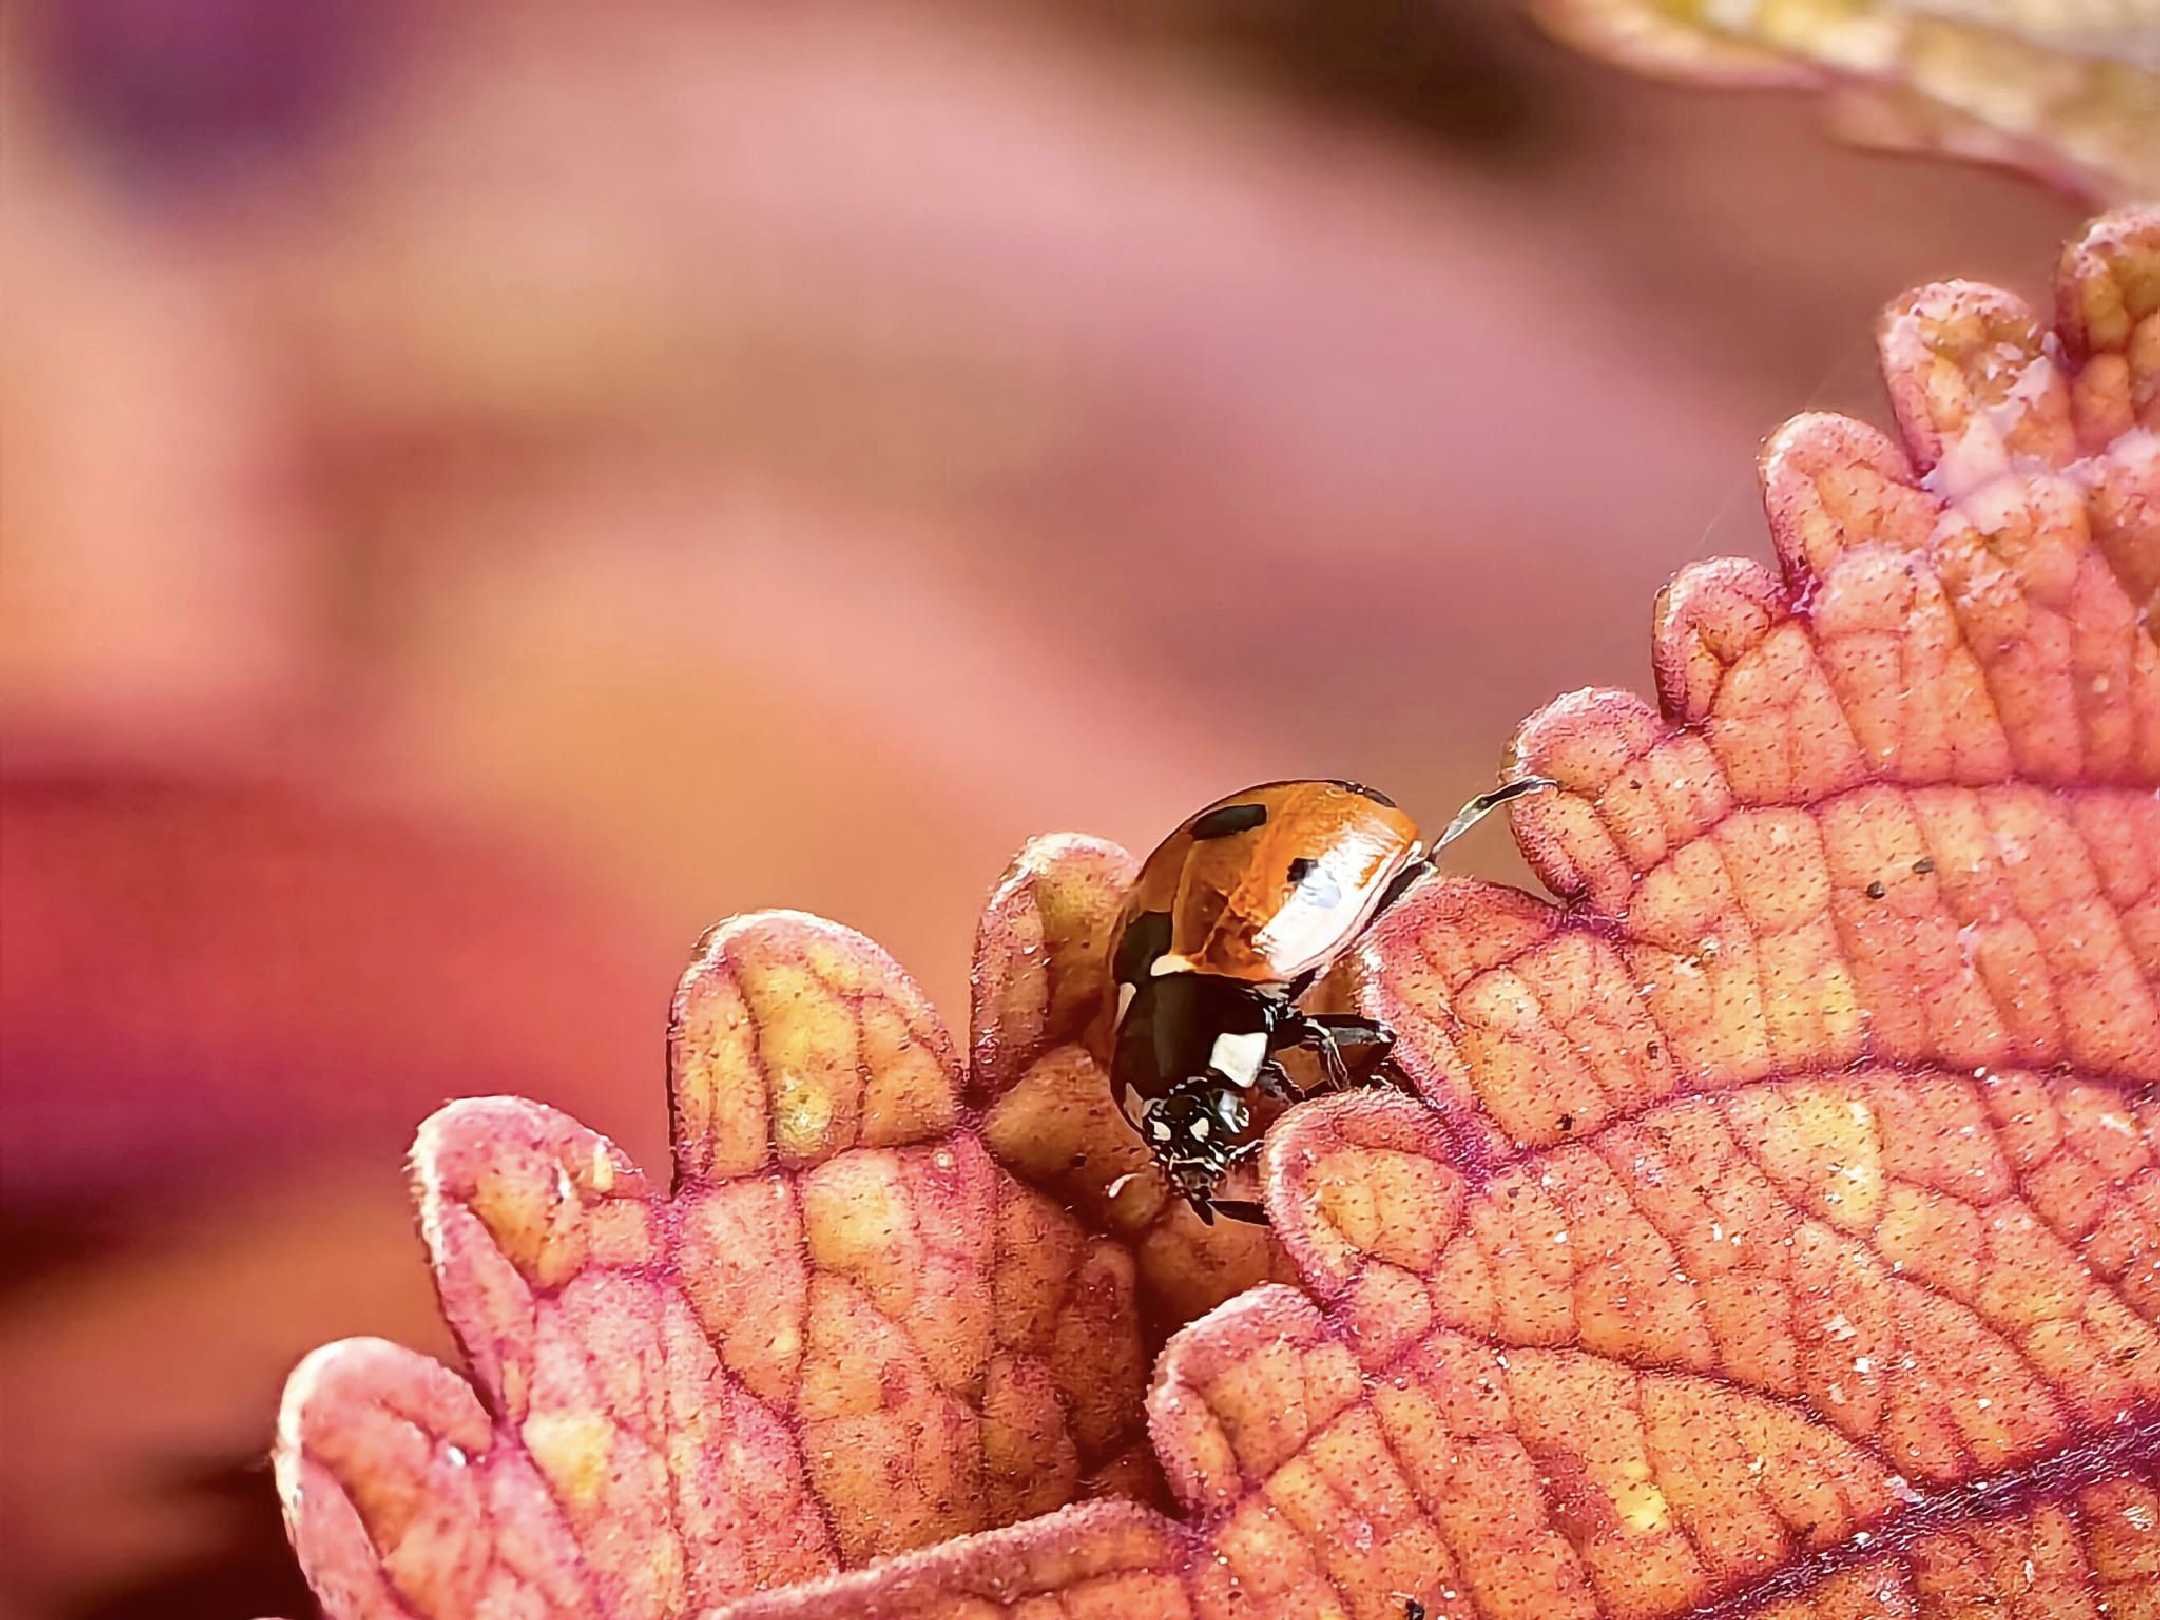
x,y
1230,921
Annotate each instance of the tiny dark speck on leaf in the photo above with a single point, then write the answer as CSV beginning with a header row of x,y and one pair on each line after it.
x,y
1567,1122
1877,889
1079,1161
1924,865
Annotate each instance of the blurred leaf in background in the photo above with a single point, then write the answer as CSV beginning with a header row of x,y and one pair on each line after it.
x,y
2065,89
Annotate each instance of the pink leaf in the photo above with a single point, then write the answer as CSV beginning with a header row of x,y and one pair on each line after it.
x,y
1777,1230
1780,1230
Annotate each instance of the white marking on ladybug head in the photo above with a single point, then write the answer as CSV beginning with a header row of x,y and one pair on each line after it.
x,y
1169,962
1237,1058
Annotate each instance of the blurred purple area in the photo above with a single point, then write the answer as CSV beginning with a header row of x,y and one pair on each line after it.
x,y
490,489
175,86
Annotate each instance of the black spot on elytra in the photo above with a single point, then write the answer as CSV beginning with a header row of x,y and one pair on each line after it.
x,y
1314,881
1227,820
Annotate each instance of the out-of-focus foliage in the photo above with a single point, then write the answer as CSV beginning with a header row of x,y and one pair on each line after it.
x,y
2067,89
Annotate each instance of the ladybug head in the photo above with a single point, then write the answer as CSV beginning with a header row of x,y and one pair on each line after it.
x,y
1195,1131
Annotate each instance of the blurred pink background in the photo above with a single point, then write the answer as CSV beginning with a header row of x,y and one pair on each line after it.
x,y
489,490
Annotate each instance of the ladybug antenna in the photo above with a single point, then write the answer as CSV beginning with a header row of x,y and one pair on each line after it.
x,y
1485,803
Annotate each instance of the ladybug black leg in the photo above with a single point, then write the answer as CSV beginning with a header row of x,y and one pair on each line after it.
x,y
1369,1047
1274,1080
1235,1209
1349,1048
1322,1041
1364,1042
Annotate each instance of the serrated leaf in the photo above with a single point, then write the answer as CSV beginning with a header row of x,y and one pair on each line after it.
x,y
1779,1230
846,1331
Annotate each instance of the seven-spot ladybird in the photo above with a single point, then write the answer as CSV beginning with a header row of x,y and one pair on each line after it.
x,y
1229,922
